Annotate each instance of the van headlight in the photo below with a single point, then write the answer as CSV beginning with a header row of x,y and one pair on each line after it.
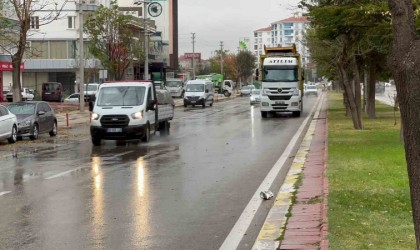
x,y
94,116
137,115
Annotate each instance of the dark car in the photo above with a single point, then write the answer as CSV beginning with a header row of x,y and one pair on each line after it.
x,y
34,118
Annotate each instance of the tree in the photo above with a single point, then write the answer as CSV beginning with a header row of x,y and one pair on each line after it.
x,y
27,14
404,63
111,40
245,65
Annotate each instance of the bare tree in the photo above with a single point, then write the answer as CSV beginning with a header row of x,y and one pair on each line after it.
x,y
404,63
25,14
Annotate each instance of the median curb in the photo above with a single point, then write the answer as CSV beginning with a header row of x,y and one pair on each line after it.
x,y
298,218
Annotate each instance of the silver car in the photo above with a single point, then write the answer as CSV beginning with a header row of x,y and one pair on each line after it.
x,y
255,96
246,90
8,125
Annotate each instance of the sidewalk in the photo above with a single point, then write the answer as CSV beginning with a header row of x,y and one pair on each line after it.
x,y
298,218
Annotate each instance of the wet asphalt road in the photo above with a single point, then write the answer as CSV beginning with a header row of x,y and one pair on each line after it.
x,y
184,191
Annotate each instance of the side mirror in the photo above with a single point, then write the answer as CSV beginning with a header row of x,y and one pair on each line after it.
x,y
207,90
90,106
41,112
151,105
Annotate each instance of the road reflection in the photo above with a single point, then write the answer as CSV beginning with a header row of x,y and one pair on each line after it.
x,y
141,204
98,202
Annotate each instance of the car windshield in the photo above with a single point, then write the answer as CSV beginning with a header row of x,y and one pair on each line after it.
x,y
278,74
195,88
255,92
92,87
173,84
121,96
22,109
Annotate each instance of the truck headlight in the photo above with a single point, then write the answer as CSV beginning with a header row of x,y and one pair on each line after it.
x,y
137,115
296,92
265,104
264,92
94,116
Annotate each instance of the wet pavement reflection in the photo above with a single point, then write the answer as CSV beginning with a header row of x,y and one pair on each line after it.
x,y
183,191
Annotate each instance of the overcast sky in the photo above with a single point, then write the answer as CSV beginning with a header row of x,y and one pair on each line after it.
x,y
226,20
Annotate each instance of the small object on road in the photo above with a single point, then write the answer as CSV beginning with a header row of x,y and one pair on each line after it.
x,y
266,195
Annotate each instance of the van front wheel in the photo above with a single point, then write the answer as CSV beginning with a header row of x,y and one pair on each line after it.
x,y
96,140
146,136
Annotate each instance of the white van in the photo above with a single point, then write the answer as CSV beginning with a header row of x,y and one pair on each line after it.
x,y
175,87
129,110
199,92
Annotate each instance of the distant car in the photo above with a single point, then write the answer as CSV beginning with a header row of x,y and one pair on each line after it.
x,y
311,90
255,96
52,91
246,90
8,125
27,95
73,98
34,118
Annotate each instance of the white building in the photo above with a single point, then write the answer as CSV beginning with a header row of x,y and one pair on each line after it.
x,y
283,33
53,53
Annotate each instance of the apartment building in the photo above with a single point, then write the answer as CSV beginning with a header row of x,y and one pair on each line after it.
x,y
53,47
283,33
261,37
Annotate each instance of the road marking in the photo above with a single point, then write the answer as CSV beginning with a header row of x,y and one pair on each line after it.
x,y
80,168
238,231
5,192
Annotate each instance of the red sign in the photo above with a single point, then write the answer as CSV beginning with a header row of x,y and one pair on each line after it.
x,y
193,55
7,66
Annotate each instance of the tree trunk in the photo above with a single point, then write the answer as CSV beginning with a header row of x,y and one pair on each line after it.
x,y
371,109
357,93
17,86
404,63
348,90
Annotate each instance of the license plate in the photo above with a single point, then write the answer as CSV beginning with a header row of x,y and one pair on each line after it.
x,y
114,130
192,101
279,102
47,93
173,91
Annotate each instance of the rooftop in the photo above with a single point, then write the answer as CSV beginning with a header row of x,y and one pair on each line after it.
x,y
299,19
263,29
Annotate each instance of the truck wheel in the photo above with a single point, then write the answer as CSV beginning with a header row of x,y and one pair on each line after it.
x,y
96,140
211,104
226,93
164,128
264,114
146,136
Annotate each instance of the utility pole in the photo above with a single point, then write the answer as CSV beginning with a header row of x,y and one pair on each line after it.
x,y
81,61
193,49
221,59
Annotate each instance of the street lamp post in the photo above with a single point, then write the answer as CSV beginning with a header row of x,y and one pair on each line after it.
x,y
146,39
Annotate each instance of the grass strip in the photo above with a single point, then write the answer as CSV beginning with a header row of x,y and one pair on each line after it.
x,y
369,197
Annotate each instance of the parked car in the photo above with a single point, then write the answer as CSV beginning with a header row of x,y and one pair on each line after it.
x,y
255,96
27,95
52,91
311,90
73,98
246,90
8,125
34,118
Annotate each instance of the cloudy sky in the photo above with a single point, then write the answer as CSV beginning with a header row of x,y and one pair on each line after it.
x,y
226,20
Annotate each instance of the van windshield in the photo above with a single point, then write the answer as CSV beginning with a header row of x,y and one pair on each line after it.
x,y
121,96
195,88
173,84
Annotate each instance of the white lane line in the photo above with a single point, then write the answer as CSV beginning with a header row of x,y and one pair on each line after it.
x,y
238,231
80,168
5,192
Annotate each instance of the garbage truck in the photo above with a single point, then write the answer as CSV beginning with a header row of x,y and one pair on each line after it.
x,y
221,86
281,76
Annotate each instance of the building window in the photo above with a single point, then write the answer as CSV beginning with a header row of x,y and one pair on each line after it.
x,y
288,32
71,22
255,34
255,47
287,25
34,22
